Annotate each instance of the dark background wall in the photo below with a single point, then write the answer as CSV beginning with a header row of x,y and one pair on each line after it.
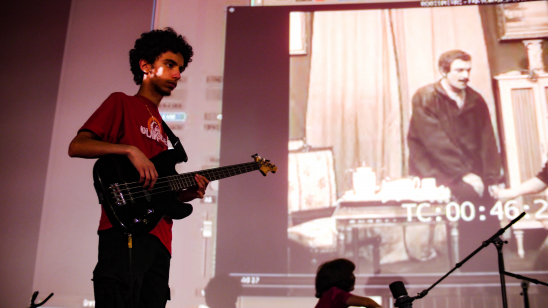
x,y
37,63
33,37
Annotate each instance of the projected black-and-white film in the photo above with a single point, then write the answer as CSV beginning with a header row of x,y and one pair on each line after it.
x,y
406,128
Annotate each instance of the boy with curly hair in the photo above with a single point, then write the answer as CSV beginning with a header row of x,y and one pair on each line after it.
x,y
131,126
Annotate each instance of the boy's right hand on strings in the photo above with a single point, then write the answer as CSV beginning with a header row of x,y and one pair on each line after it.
x,y
147,170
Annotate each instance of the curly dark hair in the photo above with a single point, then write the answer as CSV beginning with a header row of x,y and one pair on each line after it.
x,y
448,57
336,273
153,44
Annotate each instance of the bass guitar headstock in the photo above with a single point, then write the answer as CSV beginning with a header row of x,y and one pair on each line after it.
x,y
265,165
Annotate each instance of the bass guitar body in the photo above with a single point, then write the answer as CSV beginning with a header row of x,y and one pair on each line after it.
x,y
130,207
135,210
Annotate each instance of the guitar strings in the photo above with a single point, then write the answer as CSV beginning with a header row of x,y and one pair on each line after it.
x,y
214,171
181,181
140,193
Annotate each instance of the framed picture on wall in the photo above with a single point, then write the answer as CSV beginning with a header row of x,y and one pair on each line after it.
x,y
523,20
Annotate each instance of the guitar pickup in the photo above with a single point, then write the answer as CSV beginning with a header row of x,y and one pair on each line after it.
x,y
117,194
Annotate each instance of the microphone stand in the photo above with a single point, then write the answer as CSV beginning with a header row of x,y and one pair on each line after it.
x,y
525,285
499,243
495,239
502,272
34,295
526,278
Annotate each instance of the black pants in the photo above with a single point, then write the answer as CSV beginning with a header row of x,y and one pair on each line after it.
x,y
150,261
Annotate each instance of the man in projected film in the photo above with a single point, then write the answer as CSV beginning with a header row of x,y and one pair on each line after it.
x,y
451,139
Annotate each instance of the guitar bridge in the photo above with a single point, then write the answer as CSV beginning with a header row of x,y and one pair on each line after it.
x,y
117,194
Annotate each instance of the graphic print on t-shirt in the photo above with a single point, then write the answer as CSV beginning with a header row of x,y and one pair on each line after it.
x,y
154,131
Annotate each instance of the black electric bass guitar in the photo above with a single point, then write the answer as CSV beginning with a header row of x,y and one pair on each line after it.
x,y
134,210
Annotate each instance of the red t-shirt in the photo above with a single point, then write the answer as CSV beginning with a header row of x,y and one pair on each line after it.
x,y
132,120
333,298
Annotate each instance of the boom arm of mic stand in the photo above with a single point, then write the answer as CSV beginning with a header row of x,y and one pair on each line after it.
x,y
526,278
483,245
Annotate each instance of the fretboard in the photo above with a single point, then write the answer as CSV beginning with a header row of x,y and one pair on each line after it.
x,y
185,180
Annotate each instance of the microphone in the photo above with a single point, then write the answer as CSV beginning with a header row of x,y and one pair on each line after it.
x,y
400,295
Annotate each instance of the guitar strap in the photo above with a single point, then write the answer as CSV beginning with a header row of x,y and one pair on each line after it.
x,y
175,142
